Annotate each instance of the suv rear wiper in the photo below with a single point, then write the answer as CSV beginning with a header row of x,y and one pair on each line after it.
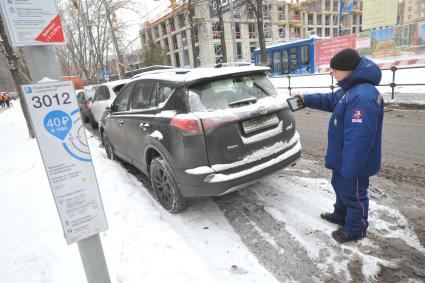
x,y
243,101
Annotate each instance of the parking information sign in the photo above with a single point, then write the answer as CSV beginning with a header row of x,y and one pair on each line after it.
x,y
33,22
63,145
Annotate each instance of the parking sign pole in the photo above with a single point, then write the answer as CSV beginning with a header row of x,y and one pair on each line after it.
x,y
41,61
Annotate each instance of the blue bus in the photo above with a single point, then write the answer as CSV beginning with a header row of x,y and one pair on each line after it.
x,y
295,57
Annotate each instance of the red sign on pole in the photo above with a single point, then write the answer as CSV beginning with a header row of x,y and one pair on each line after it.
x,y
326,48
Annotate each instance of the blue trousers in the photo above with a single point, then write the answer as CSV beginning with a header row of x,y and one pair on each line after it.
x,y
352,203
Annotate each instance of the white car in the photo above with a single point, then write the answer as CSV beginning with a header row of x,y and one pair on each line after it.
x,y
105,94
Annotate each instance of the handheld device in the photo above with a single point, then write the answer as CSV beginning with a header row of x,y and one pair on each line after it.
x,y
295,103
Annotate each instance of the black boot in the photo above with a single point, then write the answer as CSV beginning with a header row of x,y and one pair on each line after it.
x,y
330,218
342,238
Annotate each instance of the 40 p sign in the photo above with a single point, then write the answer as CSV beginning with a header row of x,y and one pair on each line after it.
x,y
66,155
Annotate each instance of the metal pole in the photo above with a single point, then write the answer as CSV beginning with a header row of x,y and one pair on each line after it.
x,y
42,63
91,253
232,23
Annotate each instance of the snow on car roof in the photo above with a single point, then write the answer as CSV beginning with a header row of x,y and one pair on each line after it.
x,y
194,75
115,83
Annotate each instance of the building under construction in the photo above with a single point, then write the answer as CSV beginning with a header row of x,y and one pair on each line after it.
x,y
284,21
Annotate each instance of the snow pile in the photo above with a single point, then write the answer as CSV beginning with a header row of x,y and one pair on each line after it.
x,y
143,244
297,202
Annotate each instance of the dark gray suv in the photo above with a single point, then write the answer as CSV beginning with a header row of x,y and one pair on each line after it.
x,y
201,132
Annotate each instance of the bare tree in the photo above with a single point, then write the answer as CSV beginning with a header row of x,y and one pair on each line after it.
x,y
87,25
257,7
18,71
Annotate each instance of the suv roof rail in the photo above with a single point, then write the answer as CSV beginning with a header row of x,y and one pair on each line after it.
x,y
229,64
176,71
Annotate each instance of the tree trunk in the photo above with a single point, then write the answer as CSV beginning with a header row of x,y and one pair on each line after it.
x,y
115,41
17,79
260,26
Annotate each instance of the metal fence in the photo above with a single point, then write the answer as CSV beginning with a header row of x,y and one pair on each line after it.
x,y
332,86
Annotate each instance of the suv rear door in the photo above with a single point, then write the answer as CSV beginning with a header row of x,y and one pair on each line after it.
x,y
137,124
243,117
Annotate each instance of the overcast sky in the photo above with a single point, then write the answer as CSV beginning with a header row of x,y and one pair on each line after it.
x,y
144,9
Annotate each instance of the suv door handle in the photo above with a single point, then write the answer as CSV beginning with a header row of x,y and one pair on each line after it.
x,y
120,122
144,126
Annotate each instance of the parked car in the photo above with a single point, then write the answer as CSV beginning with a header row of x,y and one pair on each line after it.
x,y
84,98
201,132
103,97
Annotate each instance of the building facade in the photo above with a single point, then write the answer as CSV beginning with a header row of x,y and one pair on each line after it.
x,y
412,11
284,21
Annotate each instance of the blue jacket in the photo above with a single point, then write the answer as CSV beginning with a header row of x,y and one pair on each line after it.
x,y
355,127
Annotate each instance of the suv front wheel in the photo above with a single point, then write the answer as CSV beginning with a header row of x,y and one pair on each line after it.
x,y
165,187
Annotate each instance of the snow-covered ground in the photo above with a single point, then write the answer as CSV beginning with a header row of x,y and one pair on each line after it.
x,y
403,94
146,244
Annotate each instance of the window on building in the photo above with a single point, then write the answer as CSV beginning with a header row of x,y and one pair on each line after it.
x,y
319,32
166,45
354,30
327,20
177,58
163,29
310,19
181,20
335,32
267,30
216,30
175,43
251,30
172,25
281,13
239,50
184,38
238,30
281,31
327,31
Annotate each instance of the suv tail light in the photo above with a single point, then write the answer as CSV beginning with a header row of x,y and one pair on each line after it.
x,y
189,124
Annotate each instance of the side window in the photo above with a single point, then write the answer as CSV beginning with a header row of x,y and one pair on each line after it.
x,y
142,96
163,93
105,93
97,94
121,102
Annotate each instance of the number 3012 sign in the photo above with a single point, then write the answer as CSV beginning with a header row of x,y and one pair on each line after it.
x,y
63,145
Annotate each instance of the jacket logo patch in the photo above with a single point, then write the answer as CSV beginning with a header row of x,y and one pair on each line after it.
x,y
357,116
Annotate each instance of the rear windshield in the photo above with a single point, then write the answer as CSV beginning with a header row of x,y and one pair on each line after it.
x,y
90,93
232,92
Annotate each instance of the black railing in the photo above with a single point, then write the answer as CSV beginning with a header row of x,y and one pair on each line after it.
x,y
393,84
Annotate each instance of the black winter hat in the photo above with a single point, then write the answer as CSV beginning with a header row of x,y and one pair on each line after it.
x,y
345,60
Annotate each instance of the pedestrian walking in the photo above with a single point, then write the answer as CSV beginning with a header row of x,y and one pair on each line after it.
x,y
1,100
6,100
354,139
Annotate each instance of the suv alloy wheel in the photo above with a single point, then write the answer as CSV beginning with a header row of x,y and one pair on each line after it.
x,y
165,187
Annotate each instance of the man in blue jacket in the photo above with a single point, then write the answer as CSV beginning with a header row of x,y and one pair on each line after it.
x,y
354,139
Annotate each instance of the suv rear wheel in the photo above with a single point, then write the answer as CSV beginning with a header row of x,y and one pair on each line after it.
x,y
165,187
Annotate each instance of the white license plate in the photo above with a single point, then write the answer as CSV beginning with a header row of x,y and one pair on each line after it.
x,y
259,123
